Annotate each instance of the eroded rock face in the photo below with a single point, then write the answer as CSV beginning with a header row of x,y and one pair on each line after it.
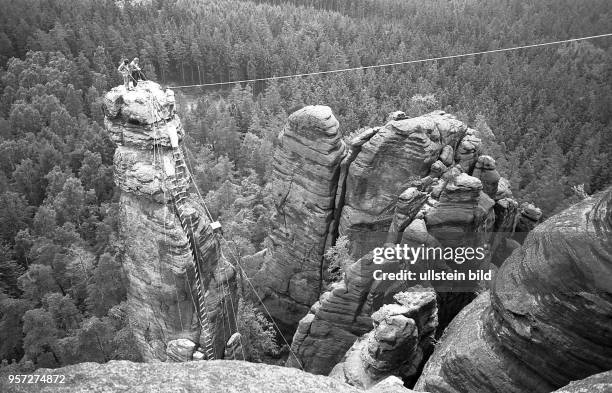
x,y
335,321
546,320
191,377
403,332
598,383
401,151
158,259
416,181
306,171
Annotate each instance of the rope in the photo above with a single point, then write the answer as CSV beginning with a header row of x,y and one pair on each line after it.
x,y
240,267
397,63
262,303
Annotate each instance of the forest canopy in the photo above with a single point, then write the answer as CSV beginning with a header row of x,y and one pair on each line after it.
x,y
550,110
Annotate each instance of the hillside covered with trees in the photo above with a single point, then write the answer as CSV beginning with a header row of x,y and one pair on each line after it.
x,y
60,265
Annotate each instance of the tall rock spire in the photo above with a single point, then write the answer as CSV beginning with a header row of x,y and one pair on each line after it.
x,y
178,282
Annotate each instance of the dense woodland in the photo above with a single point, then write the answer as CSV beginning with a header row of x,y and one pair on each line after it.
x,y
62,296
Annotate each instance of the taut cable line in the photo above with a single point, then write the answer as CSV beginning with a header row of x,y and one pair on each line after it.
x,y
425,60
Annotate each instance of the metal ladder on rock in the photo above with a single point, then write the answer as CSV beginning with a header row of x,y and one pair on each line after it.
x,y
190,219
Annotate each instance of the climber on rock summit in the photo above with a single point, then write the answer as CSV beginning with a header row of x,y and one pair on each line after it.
x,y
136,71
124,70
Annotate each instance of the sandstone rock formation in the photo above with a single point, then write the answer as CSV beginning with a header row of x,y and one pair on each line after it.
x,y
598,383
403,333
234,349
392,156
192,377
412,181
546,320
488,175
306,169
335,321
390,385
159,230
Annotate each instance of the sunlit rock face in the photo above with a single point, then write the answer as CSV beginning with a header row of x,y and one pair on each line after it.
x,y
305,176
157,257
546,319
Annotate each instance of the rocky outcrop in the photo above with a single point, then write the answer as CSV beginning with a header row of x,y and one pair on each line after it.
x,y
546,319
598,383
414,181
306,170
390,385
335,321
403,333
529,216
391,157
180,350
191,377
488,175
162,234
234,349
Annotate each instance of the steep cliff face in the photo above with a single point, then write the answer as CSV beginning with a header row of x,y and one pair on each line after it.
x,y
407,182
546,319
306,169
390,158
159,222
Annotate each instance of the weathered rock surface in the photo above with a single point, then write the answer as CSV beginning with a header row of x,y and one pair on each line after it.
x,y
180,350
234,349
227,376
390,385
598,383
306,170
402,334
335,321
410,182
401,151
488,175
529,216
546,320
158,258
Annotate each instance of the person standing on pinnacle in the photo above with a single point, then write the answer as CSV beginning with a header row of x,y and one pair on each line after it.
x,y
124,70
136,71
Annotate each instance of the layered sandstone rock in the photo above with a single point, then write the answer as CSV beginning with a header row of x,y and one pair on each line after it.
x,y
335,321
546,320
158,258
306,171
416,181
598,383
401,151
403,333
192,377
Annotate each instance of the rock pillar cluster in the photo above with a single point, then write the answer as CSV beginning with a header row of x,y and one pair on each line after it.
x,y
420,180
